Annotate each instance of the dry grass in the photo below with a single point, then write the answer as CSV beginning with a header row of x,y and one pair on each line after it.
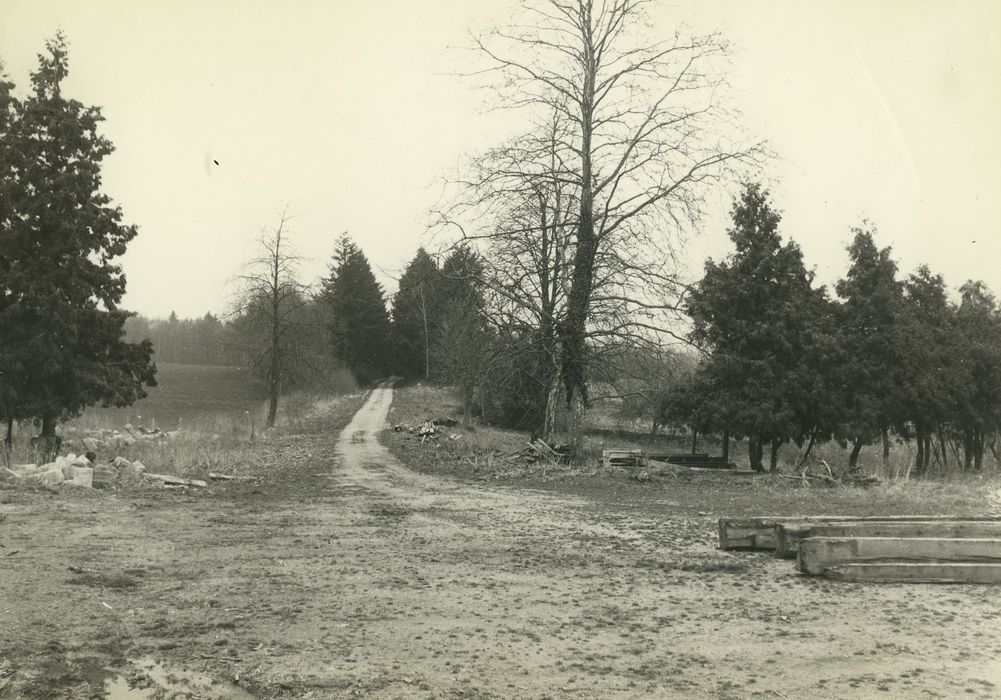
x,y
220,412
480,454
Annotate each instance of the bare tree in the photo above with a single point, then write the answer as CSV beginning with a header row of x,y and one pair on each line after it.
x,y
271,303
637,136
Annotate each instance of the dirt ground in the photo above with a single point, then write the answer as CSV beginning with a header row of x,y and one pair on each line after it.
x,y
353,576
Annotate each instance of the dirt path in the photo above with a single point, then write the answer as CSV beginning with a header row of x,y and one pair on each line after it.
x,y
364,578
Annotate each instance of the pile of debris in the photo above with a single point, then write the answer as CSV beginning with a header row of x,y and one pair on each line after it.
x,y
538,450
84,471
821,473
430,429
877,548
105,439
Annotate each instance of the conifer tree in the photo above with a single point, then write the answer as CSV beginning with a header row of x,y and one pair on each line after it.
x,y
463,340
358,326
60,289
761,324
416,315
871,333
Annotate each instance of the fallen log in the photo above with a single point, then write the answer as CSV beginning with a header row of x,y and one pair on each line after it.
x,y
916,572
168,480
789,536
819,553
229,477
759,533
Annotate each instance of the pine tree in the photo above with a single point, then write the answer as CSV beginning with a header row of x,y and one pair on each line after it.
x,y
61,325
416,315
871,333
358,326
762,325
462,342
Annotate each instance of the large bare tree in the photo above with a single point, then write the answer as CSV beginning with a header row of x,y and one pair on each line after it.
x,y
635,137
271,304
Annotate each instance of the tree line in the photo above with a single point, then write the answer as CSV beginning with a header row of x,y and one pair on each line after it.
x,y
879,357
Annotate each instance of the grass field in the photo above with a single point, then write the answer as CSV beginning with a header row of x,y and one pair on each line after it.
x,y
220,412
192,395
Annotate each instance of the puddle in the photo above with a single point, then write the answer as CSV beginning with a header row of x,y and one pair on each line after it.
x,y
153,681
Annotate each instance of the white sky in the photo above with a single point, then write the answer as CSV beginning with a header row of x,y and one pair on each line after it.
x,y
350,112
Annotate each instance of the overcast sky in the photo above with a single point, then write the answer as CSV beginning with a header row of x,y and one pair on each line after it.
x,y
350,111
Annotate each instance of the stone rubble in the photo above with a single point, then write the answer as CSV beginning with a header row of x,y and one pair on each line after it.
x,y
85,471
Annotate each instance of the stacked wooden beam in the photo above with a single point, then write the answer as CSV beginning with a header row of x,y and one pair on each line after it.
x,y
916,548
694,461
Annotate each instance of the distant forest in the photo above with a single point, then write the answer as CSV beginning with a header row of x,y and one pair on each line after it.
x,y
199,341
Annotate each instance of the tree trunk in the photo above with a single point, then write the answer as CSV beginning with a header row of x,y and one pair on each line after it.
x,y
919,461
695,440
809,447
552,407
8,440
941,442
967,450
773,461
275,370
978,450
467,406
578,411
930,442
726,445
427,335
48,442
578,304
274,380
886,447
856,449
754,451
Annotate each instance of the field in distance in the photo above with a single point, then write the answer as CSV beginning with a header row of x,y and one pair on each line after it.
x,y
197,394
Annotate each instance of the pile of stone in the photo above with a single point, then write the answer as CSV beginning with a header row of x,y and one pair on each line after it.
x,y
105,439
74,471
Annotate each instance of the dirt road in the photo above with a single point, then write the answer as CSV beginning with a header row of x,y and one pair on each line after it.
x,y
354,576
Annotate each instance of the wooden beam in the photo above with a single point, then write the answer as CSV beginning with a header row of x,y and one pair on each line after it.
x,y
916,572
819,553
789,536
759,533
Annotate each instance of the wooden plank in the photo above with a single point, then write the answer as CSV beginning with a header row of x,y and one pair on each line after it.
x,y
819,553
916,572
737,533
169,480
788,536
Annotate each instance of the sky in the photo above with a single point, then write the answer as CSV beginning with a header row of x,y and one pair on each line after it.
x,y
352,113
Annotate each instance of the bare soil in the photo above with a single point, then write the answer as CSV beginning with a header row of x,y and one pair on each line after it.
x,y
347,574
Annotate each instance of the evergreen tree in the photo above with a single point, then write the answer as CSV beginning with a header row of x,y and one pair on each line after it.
x,y
462,345
929,372
61,326
358,326
871,335
978,390
762,326
416,315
